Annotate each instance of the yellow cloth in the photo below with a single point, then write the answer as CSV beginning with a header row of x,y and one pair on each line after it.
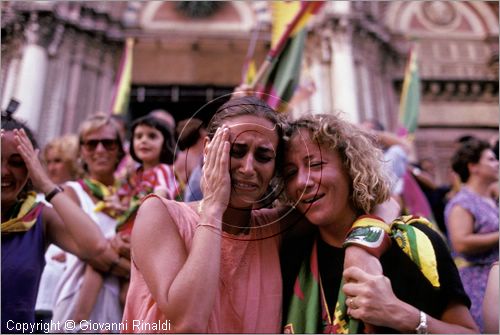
x,y
25,218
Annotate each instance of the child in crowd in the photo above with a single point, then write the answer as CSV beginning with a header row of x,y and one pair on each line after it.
x,y
152,146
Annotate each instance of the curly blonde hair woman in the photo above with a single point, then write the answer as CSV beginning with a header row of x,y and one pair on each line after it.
x,y
333,174
363,162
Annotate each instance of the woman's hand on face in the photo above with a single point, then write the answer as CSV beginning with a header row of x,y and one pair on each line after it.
x,y
216,182
38,176
370,298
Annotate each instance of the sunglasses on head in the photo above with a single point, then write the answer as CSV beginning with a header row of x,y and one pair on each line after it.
x,y
108,144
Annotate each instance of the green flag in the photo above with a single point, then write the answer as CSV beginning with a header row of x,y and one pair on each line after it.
x,y
409,107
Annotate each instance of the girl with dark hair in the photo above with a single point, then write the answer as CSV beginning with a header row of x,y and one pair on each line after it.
x,y
152,128
471,217
152,147
28,227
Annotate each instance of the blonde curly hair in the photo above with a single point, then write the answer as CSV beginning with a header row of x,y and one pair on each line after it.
x,y
361,157
66,148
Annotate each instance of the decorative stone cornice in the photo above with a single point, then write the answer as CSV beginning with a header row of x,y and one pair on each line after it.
x,y
457,90
39,28
359,23
85,17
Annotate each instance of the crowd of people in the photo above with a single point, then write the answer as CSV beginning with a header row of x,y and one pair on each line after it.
x,y
253,223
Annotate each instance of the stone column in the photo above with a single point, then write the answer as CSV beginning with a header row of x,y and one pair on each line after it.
x,y
320,72
29,90
75,72
343,75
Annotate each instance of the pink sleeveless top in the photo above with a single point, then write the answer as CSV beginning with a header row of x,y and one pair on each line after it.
x,y
250,289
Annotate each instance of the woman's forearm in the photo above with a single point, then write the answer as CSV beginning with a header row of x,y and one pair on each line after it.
x,y
183,282
476,243
85,233
193,292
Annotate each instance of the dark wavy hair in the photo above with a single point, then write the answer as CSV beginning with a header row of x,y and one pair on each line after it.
x,y
251,105
168,146
469,152
10,123
188,132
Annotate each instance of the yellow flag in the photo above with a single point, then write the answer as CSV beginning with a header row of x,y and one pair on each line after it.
x,y
121,94
283,13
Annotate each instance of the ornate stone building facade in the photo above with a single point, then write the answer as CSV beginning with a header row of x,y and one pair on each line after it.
x,y
188,53
59,60
359,65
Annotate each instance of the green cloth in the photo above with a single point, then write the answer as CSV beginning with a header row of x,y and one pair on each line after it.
x,y
308,305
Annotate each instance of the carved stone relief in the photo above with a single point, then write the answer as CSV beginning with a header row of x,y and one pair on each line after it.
x,y
440,13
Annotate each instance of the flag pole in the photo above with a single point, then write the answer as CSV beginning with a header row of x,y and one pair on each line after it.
x,y
271,55
250,52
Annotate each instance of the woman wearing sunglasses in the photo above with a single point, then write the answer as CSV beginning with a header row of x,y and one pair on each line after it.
x,y
100,152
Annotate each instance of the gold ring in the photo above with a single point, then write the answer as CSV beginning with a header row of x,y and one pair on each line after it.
x,y
351,304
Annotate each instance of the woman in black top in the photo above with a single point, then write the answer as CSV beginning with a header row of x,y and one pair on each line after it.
x,y
333,176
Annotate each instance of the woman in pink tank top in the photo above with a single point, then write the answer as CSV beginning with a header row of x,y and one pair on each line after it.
x,y
213,266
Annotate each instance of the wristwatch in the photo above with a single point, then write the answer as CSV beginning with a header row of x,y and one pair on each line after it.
x,y
53,193
422,326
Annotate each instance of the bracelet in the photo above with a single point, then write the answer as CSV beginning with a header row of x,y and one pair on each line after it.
x,y
371,221
422,325
209,226
369,234
51,194
199,209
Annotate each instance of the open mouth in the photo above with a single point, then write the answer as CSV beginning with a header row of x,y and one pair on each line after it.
x,y
312,200
244,185
6,184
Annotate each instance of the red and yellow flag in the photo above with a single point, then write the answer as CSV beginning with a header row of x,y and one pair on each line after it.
x,y
284,60
121,94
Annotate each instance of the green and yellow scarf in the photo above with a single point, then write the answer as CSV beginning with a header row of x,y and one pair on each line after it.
x,y
308,303
100,192
24,215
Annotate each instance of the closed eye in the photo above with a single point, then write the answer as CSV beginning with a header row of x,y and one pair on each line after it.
x,y
316,164
264,155
238,151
